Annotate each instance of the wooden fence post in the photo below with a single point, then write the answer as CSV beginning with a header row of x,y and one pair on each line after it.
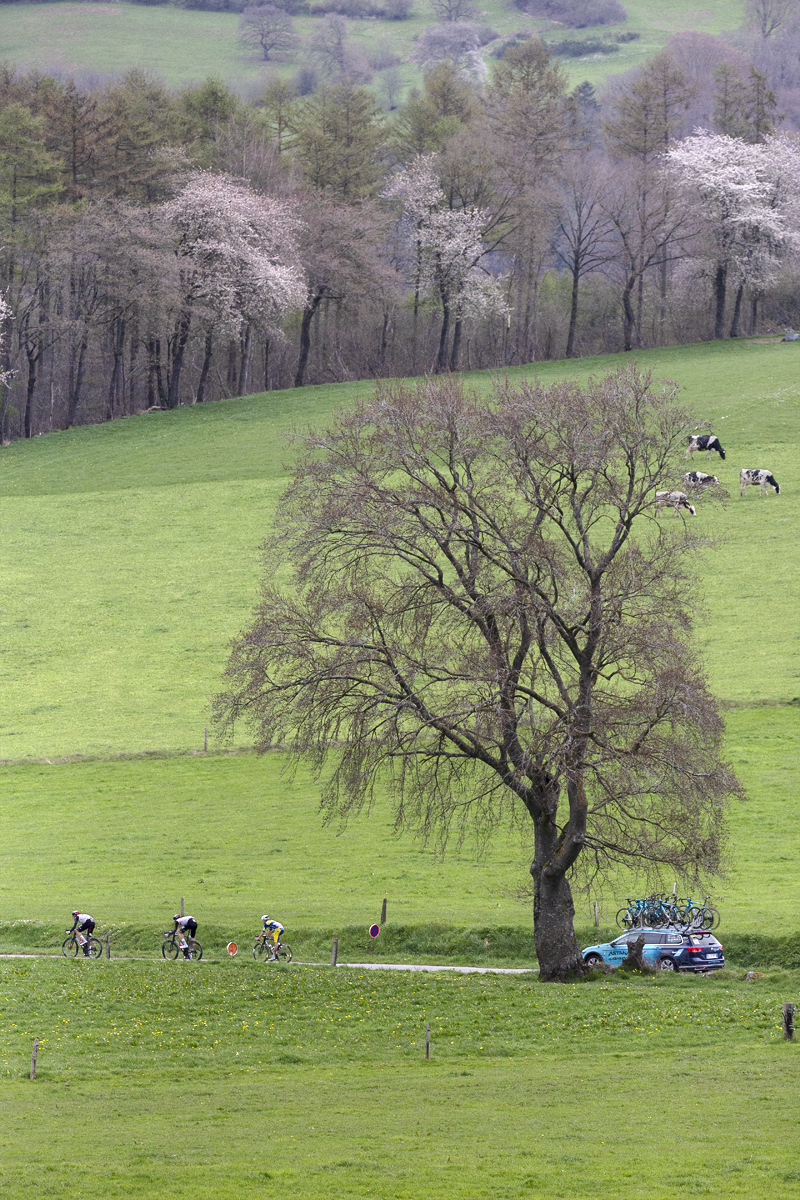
x,y
205,741
427,1040
334,952
596,917
383,912
33,1058
108,948
182,913
788,1022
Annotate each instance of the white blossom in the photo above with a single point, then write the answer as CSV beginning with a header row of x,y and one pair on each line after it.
x,y
745,197
448,244
240,251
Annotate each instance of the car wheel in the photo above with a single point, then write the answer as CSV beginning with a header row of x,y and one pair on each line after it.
x,y
594,960
667,964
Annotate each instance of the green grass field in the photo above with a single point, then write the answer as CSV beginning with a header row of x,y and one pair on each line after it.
x,y
222,1081
130,558
185,46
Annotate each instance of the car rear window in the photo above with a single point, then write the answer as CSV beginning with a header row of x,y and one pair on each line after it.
x,y
703,939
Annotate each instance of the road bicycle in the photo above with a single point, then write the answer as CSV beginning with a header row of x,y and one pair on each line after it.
x,y
73,944
171,946
265,949
658,912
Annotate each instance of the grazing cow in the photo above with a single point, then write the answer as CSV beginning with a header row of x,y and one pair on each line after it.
x,y
699,479
764,479
677,500
705,441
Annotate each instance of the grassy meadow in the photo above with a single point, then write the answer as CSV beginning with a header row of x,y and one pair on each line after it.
x,y
130,558
183,46
218,1081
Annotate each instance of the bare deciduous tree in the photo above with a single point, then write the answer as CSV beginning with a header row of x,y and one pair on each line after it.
x,y
480,610
455,10
268,29
769,15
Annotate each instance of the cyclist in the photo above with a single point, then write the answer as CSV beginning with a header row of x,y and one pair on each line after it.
x,y
275,929
186,925
86,926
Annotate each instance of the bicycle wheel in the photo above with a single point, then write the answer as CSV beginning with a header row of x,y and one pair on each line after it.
x,y
710,917
95,948
693,917
196,951
170,949
624,919
260,950
69,947
284,953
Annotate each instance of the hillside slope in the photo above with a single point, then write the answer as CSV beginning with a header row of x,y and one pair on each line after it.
x,y
183,46
131,557
132,552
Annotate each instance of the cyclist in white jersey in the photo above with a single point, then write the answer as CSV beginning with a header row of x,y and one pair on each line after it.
x,y
82,923
186,925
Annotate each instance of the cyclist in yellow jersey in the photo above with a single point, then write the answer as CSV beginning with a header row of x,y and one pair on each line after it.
x,y
274,928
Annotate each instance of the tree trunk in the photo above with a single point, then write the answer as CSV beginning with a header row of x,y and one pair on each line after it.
x,y
753,312
209,350
29,391
573,314
557,947
155,378
76,382
720,281
444,336
305,338
456,351
737,308
117,350
266,364
629,319
244,364
181,338
634,958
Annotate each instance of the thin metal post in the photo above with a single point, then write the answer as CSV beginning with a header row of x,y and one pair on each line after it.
x,y
182,913
108,948
205,740
33,1058
427,1040
334,952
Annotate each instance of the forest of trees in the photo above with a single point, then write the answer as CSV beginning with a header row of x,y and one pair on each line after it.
x,y
170,247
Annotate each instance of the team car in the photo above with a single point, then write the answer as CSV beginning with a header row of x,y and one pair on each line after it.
x,y
664,950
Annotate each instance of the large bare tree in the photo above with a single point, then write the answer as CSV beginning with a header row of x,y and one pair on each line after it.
x,y
485,615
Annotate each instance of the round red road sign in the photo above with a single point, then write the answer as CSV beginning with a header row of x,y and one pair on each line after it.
x,y
374,930
232,948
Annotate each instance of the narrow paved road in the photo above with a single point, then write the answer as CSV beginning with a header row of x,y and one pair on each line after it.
x,y
373,966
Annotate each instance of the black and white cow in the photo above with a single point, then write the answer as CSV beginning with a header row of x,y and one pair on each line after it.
x,y
676,500
764,479
705,441
699,479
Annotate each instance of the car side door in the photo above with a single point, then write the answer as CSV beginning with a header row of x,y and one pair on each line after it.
x,y
652,947
618,949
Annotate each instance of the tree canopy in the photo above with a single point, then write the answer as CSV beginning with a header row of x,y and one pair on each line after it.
x,y
482,611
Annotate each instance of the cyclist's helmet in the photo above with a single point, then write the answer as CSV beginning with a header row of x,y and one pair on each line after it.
x,y
265,917
75,912
177,916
